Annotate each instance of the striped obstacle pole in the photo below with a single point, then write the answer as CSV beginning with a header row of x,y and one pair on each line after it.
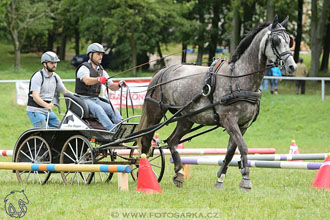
x,y
251,163
203,151
65,167
187,151
122,170
272,157
6,153
254,163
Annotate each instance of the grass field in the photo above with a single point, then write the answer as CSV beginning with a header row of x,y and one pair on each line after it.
x,y
276,193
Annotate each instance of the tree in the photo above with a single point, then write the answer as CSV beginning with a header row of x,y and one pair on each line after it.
x,y
326,49
22,15
138,27
270,10
235,26
201,10
318,25
186,26
214,31
127,22
70,26
299,30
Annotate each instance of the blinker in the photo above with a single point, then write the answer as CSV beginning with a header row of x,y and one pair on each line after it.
x,y
291,42
276,40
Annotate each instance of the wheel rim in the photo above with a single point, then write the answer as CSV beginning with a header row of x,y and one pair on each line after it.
x,y
157,163
104,176
34,149
77,150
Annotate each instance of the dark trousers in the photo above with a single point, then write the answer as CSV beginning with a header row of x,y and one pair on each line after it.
x,y
300,83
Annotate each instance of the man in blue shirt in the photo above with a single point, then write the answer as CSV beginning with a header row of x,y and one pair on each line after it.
x,y
276,71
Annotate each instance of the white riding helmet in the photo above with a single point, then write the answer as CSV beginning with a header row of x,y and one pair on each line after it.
x,y
49,56
95,47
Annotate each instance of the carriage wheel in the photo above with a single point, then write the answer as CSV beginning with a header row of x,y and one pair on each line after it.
x,y
157,163
77,150
104,176
34,149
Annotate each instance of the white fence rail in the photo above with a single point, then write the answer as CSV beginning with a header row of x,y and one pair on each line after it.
x,y
322,79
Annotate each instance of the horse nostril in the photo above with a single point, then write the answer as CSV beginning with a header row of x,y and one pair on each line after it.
x,y
292,68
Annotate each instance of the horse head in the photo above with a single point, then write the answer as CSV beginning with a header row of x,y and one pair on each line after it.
x,y
276,45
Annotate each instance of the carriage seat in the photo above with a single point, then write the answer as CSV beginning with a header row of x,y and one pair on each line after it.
x,y
78,106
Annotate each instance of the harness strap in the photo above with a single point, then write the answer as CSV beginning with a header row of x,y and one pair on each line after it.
x,y
159,82
241,96
162,104
210,83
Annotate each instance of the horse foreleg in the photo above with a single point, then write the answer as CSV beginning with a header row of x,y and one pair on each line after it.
x,y
245,184
178,178
223,170
182,128
237,134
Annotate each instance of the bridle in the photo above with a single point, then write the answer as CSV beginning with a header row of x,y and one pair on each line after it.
x,y
273,38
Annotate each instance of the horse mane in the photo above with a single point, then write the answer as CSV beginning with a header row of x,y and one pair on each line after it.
x,y
245,43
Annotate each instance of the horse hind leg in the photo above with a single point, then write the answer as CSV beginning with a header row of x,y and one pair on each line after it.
x,y
183,127
223,169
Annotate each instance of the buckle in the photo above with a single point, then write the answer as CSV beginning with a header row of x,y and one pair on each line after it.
x,y
206,90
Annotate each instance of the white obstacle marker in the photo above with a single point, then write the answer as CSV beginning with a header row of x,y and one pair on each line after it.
x,y
6,153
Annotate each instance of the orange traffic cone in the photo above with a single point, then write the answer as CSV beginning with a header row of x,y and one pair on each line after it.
x,y
180,146
147,181
322,178
294,149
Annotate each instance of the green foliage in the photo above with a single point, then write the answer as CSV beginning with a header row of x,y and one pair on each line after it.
x,y
140,24
3,6
27,16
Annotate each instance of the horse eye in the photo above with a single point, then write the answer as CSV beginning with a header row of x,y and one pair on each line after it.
x,y
291,42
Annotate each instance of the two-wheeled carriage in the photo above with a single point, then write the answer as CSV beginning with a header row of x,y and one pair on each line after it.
x,y
80,139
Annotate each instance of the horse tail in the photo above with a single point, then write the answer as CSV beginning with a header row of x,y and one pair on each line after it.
x,y
142,125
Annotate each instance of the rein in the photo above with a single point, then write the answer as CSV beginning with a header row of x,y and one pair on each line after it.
x,y
217,74
135,67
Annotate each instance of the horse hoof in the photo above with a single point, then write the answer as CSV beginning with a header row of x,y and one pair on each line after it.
x,y
219,185
178,180
245,185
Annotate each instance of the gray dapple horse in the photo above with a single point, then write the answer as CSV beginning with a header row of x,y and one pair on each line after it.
x,y
237,82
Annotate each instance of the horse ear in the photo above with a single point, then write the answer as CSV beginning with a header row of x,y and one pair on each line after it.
x,y
275,22
285,21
